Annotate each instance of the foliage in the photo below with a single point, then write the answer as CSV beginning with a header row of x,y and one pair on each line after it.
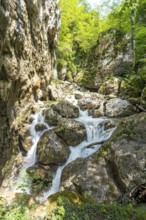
x,y
82,26
15,211
93,211
78,33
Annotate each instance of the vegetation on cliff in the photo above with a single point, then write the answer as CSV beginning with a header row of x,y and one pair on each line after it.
x,y
81,32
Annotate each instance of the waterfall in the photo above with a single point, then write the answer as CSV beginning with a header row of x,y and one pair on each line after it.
x,y
31,155
95,132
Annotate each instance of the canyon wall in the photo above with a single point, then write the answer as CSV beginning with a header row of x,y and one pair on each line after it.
x,y
28,37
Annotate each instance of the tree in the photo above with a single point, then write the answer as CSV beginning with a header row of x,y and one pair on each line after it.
x,y
79,32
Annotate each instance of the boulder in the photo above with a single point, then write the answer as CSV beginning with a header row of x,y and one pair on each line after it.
x,y
90,101
66,109
126,158
71,132
118,107
116,168
89,177
51,117
51,149
40,127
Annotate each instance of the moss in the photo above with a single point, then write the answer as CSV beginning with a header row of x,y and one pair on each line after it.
x,y
134,84
102,152
66,209
71,196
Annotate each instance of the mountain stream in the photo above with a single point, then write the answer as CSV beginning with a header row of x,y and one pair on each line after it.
x,y
95,132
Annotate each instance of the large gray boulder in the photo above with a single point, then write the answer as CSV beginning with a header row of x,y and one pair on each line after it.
x,y
118,107
66,109
51,149
89,177
71,132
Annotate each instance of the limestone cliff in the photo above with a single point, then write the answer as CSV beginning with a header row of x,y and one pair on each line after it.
x,y
28,36
111,56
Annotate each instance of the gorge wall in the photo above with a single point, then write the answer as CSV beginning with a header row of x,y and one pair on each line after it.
x,y
28,36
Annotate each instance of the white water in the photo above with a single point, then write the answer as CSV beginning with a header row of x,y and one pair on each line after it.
x,y
23,179
95,132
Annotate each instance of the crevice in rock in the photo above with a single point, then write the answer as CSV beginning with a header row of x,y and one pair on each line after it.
x,y
113,171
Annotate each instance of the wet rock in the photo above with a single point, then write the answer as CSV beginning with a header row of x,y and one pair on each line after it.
x,y
26,139
51,116
71,132
95,113
117,107
66,109
40,127
51,149
110,124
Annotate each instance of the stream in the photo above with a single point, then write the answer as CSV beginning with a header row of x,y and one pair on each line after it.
x,y
95,132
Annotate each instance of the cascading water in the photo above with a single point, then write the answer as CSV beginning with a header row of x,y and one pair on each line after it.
x,y
95,132
31,155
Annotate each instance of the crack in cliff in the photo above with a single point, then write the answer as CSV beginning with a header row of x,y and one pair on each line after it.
x,y
113,171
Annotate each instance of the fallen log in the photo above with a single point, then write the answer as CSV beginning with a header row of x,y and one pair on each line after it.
x,y
94,143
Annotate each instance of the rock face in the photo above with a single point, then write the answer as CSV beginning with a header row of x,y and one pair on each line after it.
x,y
71,132
116,168
28,39
110,57
51,149
118,108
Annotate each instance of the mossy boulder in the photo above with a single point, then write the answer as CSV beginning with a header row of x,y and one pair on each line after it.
x,y
51,149
110,86
71,132
51,117
66,109
40,127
